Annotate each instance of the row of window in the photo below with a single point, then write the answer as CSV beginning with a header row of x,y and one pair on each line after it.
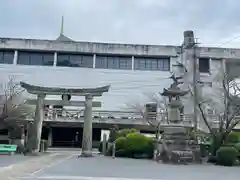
x,y
6,57
105,62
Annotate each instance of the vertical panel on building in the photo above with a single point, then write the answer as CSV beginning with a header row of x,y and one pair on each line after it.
x,y
6,56
152,63
36,58
75,60
113,62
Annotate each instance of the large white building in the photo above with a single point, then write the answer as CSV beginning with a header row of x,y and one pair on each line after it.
x,y
132,70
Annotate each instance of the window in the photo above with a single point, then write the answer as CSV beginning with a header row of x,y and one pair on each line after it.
x,y
152,64
204,65
113,62
35,58
74,60
6,57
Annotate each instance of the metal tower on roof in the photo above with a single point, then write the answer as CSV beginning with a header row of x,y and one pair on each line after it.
x,y
62,37
62,26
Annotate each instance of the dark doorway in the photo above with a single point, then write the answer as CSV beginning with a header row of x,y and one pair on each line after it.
x,y
45,132
66,137
96,134
72,137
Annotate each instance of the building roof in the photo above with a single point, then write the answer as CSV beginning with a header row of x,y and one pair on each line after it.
x,y
63,38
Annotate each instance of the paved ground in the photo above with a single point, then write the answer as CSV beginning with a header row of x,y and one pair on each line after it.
x,y
69,167
6,160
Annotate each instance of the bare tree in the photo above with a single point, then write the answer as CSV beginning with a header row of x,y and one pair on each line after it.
x,y
155,121
223,98
139,107
12,101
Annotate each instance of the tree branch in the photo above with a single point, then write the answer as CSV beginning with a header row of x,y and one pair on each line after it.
x,y
205,119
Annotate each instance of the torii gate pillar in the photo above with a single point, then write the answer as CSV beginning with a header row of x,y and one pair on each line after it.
x,y
38,121
87,129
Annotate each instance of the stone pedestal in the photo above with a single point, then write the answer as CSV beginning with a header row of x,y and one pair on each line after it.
x,y
87,129
179,147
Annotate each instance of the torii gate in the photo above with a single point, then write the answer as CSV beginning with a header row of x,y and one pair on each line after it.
x,y
66,93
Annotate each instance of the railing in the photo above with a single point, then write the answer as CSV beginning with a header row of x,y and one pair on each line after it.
x,y
122,117
126,117
75,114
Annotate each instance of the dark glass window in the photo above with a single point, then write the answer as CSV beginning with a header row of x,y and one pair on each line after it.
x,y
6,57
204,65
152,64
75,60
113,62
35,58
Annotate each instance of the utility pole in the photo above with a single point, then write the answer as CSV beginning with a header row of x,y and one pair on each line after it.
x,y
190,49
195,88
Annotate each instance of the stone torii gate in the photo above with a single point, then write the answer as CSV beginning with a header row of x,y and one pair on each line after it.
x,y
66,94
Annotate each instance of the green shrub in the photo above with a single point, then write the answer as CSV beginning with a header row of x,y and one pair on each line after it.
x,y
125,132
135,142
237,146
123,153
149,149
121,143
233,137
139,146
226,156
134,145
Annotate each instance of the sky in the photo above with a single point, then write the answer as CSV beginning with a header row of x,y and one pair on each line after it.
x,y
158,22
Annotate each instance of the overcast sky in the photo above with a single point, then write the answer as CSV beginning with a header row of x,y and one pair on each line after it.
x,y
125,21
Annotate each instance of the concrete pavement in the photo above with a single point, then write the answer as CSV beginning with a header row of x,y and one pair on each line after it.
x,y
31,166
106,168
6,160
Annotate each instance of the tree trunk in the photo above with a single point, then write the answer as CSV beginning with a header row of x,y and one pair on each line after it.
x,y
218,140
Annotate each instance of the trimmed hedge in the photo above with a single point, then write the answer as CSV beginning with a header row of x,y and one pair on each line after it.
x,y
237,146
233,137
134,145
121,143
226,156
125,132
135,142
131,144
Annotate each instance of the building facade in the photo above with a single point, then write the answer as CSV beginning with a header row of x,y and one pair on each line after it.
x,y
132,70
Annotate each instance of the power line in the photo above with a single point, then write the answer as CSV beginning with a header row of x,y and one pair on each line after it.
x,y
226,42
234,38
